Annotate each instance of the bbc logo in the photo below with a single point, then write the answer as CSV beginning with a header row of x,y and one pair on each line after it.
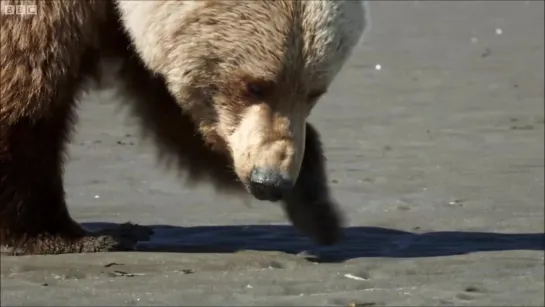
x,y
10,9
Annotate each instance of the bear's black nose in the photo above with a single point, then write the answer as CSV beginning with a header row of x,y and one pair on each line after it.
x,y
265,184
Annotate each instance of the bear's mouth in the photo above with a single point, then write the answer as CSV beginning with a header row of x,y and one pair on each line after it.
x,y
264,194
269,185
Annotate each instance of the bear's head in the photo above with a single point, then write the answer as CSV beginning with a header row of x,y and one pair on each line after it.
x,y
248,72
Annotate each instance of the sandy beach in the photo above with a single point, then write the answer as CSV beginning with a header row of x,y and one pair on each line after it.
x,y
434,134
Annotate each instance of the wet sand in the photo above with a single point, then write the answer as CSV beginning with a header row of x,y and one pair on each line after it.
x,y
436,159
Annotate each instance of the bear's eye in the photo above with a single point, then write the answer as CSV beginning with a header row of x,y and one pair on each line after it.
x,y
255,90
258,90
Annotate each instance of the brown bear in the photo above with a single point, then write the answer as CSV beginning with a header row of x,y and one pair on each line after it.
x,y
223,87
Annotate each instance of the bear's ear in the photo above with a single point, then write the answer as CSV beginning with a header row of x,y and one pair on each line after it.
x,y
358,20
366,19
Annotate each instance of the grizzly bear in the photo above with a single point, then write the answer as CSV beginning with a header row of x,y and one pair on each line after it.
x,y
223,87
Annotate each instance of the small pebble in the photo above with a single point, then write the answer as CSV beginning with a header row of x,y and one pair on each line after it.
x,y
378,67
97,196
456,202
499,31
353,277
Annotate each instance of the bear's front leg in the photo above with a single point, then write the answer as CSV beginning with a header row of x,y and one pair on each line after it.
x,y
309,205
34,218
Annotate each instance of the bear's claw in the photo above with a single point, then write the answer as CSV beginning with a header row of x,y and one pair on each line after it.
x,y
122,238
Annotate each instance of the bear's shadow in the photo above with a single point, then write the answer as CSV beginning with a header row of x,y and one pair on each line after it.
x,y
358,241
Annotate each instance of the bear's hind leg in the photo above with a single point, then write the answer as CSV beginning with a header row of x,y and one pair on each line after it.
x,y
34,218
43,61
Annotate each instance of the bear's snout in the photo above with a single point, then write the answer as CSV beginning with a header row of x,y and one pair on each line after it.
x,y
268,184
267,148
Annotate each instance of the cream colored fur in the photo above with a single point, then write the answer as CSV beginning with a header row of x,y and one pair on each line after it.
x,y
209,51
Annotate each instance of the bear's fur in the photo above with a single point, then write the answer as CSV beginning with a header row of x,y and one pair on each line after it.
x,y
187,67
